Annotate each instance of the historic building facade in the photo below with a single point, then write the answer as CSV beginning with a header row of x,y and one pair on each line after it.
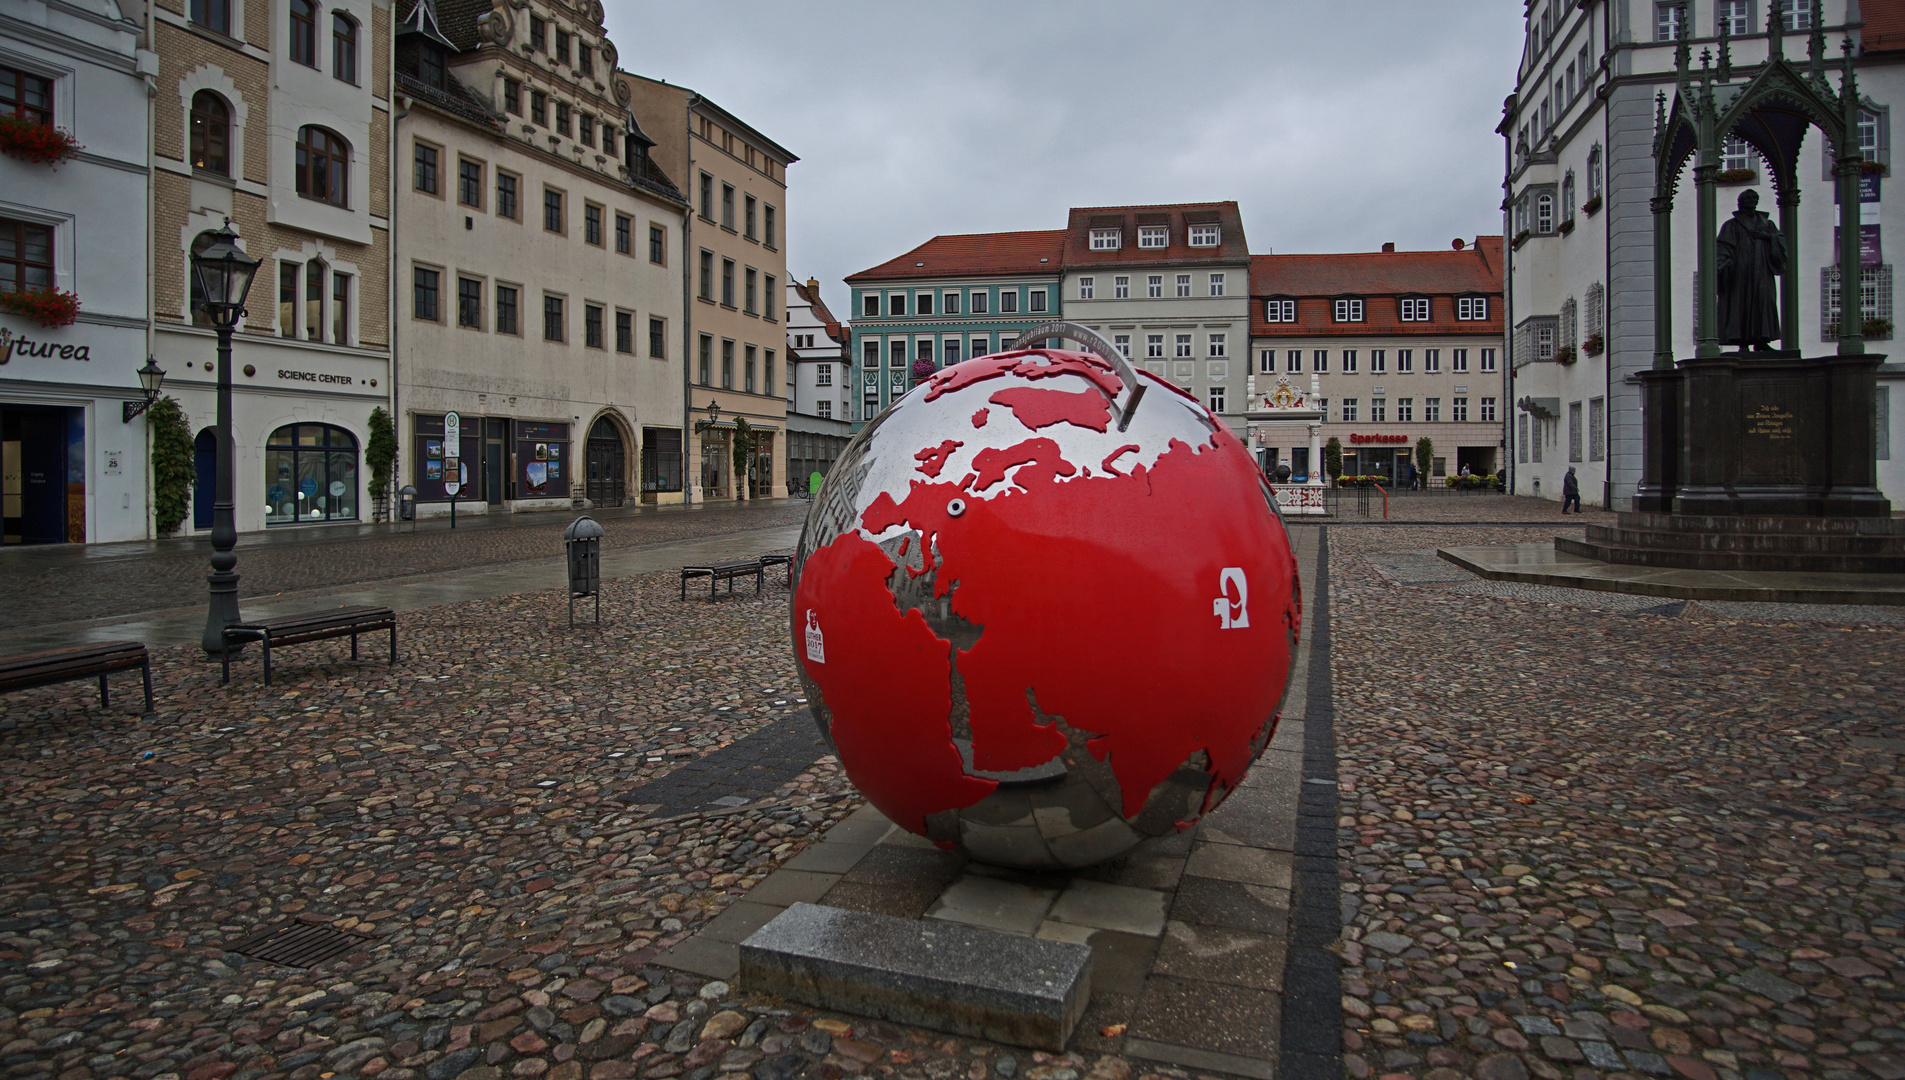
x,y
819,385
72,469
538,288
949,299
1169,285
733,270
1579,182
1406,345
276,115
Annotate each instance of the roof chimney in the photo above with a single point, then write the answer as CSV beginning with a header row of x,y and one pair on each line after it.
x,y
813,285
1389,247
1456,243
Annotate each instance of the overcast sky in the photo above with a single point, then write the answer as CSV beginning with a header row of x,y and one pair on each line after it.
x,y
1335,124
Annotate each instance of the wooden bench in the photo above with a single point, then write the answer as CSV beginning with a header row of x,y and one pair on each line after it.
x,y
77,662
722,572
780,560
310,626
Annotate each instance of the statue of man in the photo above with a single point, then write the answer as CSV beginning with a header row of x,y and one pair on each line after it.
x,y
1752,253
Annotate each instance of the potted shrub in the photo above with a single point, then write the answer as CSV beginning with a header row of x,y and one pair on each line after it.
x,y
49,307
30,140
1333,458
1594,345
173,468
923,369
380,456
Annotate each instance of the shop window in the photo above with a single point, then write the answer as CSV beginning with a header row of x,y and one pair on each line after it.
x,y
310,475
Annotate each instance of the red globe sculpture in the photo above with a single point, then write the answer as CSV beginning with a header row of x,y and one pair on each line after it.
x,y
1043,614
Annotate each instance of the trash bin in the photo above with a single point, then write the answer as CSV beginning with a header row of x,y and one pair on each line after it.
x,y
583,541
407,503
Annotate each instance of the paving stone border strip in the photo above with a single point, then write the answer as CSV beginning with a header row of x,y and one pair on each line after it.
x,y
1312,1010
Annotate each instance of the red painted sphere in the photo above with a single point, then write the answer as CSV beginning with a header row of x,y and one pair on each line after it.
x,y
1035,637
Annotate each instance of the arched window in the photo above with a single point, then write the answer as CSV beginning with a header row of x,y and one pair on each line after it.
x,y
199,244
211,133
344,47
324,165
304,32
1544,212
310,474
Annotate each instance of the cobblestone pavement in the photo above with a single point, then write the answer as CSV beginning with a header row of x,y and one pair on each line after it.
x,y
1590,835
47,589
1457,507
480,816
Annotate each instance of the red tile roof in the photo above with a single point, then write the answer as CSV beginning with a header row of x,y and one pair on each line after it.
x,y
1178,217
1884,26
974,253
1379,278
821,312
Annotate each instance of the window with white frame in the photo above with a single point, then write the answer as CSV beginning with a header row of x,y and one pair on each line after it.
x,y
1521,442
1293,360
1415,309
1107,239
1594,173
1567,196
1570,325
1266,361
1279,311
1319,360
1183,285
1597,429
1348,310
1086,287
1217,399
1488,359
1471,308
1154,286
1735,153
1204,236
1378,410
1378,361
952,351
1544,212
1349,410
1488,410
1458,410
1875,301
1349,359
980,302
1154,236
1458,359
1544,341
1432,410
823,409
1667,21
1594,311
980,345
1574,431
1153,345
1183,346
949,304
1732,17
1217,343
1432,361
823,374
1217,284
1405,361
1121,287
1123,344
1037,301
1796,14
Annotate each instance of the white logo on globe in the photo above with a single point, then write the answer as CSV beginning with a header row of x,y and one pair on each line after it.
x,y
1232,614
816,646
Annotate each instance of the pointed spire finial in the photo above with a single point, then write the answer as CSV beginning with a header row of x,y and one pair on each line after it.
x,y
1775,31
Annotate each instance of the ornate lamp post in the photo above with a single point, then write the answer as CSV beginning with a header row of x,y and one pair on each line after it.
x,y
223,273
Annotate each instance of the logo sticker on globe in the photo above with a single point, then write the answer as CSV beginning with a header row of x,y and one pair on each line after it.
x,y
816,646
1231,614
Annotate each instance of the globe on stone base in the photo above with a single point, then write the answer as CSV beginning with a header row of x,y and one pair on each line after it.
x,y
1034,637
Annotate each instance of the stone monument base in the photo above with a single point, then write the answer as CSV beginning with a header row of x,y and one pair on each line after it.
x,y
1739,542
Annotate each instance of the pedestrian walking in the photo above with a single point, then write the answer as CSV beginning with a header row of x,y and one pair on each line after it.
x,y
1570,491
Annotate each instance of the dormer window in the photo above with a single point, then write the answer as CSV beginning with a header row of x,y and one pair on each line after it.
x,y
1279,311
1107,239
1415,309
1154,236
1347,310
1205,236
1470,308
430,65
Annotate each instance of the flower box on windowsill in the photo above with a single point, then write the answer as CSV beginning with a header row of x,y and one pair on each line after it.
x,y
1521,238
1565,227
30,140
1594,345
1877,330
1591,206
1737,176
48,307
1877,167
1564,355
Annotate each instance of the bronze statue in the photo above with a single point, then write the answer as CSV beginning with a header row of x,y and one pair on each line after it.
x,y
1752,253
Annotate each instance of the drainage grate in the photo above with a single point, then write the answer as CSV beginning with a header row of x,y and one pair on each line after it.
x,y
299,945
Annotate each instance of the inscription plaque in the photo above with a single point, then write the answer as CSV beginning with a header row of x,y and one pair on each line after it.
x,y
1771,442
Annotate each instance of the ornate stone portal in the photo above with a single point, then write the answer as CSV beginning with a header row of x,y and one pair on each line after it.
x,y
1759,459
1281,406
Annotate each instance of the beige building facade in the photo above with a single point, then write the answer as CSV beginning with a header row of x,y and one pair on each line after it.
x,y
538,267
276,115
733,264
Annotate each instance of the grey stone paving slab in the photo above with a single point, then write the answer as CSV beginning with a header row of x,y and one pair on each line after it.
x,y
1141,870
958,979
1235,862
742,918
899,901
1541,564
827,858
1201,1059
993,903
1111,907
1235,1020
1235,904
703,955
783,887
1221,954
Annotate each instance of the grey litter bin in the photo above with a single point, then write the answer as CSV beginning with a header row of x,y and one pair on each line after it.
x,y
583,540
407,503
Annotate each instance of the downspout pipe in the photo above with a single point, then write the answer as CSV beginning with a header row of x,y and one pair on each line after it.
x,y
687,304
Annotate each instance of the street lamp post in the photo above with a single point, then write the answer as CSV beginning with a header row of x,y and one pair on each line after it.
x,y
706,427
223,273
151,377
